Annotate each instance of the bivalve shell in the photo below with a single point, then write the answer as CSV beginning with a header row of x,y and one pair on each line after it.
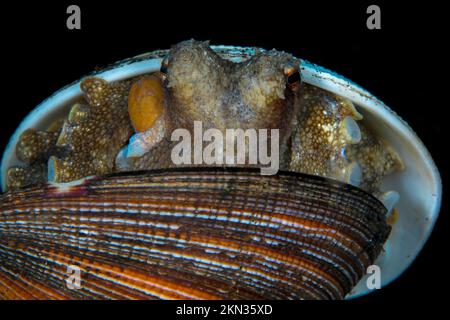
x,y
190,234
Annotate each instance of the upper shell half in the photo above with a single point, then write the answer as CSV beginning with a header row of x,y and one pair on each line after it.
x,y
418,184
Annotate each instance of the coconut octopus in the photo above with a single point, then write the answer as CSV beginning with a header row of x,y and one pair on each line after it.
x,y
127,125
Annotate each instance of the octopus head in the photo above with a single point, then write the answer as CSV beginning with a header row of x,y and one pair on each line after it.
x,y
260,92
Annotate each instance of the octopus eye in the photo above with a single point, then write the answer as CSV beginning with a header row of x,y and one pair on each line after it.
x,y
164,65
293,78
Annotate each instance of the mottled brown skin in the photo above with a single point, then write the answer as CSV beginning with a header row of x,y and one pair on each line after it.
x,y
222,94
320,148
35,145
94,132
19,177
90,137
33,149
317,142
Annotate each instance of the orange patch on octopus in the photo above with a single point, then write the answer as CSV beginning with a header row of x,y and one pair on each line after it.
x,y
146,102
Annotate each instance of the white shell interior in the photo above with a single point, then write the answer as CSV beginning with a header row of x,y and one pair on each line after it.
x,y
419,185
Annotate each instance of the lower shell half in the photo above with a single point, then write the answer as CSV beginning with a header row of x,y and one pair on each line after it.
x,y
190,234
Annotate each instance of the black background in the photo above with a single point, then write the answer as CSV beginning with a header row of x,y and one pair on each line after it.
x,y
398,64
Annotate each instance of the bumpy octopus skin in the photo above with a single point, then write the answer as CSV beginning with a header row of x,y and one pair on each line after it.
x,y
35,145
87,143
33,148
320,133
222,94
327,128
93,133
332,141
33,174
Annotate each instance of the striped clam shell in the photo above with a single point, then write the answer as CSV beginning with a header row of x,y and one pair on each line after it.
x,y
199,233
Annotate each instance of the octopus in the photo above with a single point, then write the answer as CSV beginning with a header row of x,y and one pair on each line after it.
x,y
261,93
127,125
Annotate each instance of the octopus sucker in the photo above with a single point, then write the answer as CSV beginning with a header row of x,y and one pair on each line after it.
x,y
98,189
